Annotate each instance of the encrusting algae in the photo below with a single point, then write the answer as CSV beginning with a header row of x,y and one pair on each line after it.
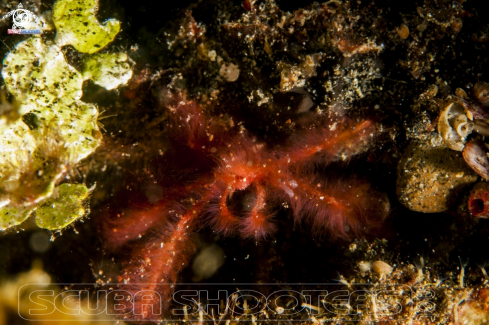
x,y
55,129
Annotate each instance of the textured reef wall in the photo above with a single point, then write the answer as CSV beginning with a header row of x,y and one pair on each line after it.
x,y
262,142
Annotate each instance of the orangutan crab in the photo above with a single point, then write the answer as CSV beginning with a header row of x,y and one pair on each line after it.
x,y
234,184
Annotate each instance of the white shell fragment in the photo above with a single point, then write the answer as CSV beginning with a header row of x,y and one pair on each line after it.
x,y
380,267
365,266
454,126
229,72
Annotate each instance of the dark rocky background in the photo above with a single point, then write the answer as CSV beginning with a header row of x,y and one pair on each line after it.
x,y
460,58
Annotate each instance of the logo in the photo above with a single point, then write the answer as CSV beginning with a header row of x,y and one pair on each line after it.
x,y
253,302
25,22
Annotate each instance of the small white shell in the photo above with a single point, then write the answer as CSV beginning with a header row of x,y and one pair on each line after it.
x,y
365,266
229,72
454,126
464,129
380,267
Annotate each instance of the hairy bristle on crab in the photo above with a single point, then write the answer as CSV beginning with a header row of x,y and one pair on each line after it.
x,y
225,179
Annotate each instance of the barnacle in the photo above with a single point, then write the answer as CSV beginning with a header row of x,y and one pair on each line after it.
x,y
454,126
479,200
55,129
459,119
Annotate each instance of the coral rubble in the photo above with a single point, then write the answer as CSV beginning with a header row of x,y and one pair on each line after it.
x,y
337,145
430,178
